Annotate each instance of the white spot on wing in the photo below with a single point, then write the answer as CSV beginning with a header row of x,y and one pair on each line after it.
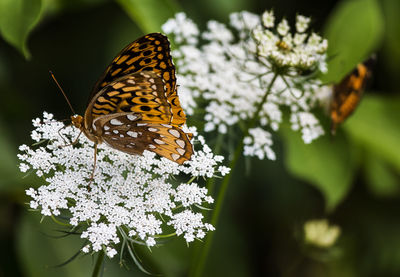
x,y
159,141
180,151
152,129
132,134
106,127
166,125
115,131
131,117
181,143
174,132
174,156
141,124
151,146
130,145
115,121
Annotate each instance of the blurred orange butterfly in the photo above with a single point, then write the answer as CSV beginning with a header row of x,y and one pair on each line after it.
x,y
347,94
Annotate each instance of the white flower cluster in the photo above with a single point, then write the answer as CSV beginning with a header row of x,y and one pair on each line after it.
x,y
259,144
130,193
320,233
225,71
299,51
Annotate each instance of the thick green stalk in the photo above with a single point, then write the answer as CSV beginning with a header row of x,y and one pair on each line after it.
x,y
98,267
199,267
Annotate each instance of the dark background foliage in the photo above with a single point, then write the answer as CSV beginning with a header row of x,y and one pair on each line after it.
x,y
353,179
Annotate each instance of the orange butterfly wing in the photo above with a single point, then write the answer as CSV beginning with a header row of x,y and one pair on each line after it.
x,y
347,94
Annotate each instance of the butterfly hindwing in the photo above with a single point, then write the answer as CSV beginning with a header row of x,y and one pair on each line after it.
x,y
173,144
134,137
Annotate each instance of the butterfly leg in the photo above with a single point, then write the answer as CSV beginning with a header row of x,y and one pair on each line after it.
x,y
94,163
75,141
59,133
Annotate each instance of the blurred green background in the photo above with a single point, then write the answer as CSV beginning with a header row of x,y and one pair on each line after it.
x,y
353,179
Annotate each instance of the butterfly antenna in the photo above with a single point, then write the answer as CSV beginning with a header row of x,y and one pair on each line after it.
x,y
62,91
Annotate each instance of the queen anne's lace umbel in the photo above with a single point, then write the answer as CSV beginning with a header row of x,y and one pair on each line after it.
x,y
225,71
132,194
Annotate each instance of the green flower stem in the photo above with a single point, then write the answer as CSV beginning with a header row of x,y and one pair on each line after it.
x,y
211,181
199,267
99,264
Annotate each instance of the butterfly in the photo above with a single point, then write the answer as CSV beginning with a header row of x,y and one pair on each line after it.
x,y
134,106
347,94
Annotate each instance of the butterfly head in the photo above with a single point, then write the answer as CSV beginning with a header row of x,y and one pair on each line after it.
x,y
77,121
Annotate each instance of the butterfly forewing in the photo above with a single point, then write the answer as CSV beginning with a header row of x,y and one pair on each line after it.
x,y
148,53
141,93
178,116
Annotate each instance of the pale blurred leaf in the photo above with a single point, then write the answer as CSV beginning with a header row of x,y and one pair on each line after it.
x,y
354,31
17,19
376,126
149,15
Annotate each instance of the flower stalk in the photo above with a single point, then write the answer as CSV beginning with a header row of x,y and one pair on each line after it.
x,y
98,267
202,259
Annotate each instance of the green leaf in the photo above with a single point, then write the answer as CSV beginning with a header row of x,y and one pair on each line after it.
x,y
10,175
328,164
40,253
149,15
390,54
17,19
354,31
381,179
375,125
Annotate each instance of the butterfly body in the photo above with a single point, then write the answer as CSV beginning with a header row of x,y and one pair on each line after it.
x,y
134,106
